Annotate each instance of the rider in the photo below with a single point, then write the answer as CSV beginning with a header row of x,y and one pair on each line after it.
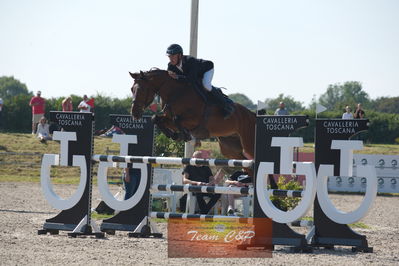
x,y
199,72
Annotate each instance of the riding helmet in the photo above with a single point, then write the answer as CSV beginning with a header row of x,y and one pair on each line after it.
x,y
174,49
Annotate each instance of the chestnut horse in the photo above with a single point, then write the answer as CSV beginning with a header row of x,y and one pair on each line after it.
x,y
185,113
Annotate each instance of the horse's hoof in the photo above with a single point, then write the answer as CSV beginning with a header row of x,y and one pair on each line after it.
x,y
175,136
184,137
155,119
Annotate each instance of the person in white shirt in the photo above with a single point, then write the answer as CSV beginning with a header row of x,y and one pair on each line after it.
x,y
43,130
83,106
281,109
237,179
348,114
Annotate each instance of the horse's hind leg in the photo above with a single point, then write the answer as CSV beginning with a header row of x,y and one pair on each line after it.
x,y
248,151
247,134
230,147
247,138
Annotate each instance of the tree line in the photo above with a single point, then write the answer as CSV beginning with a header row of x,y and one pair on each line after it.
x,y
336,97
383,112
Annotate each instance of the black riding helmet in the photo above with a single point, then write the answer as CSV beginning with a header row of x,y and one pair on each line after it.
x,y
174,49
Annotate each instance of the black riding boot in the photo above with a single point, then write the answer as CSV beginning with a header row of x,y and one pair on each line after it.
x,y
224,101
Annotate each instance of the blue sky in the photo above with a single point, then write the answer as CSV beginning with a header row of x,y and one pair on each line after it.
x,y
260,48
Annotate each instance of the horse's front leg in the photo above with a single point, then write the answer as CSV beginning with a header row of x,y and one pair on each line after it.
x,y
167,127
184,133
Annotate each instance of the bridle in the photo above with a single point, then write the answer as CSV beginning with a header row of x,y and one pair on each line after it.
x,y
148,91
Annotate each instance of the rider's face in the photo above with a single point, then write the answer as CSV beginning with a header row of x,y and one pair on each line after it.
x,y
174,59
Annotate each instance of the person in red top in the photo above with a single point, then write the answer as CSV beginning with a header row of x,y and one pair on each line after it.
x,y
38,106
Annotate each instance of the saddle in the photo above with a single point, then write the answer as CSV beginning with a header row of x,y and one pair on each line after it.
x,y
214,98
211,99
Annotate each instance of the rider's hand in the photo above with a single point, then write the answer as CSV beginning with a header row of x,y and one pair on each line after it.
x,y
241,184
172,74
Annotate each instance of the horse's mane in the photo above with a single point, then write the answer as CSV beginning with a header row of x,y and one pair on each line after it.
x,y
152,72
155,71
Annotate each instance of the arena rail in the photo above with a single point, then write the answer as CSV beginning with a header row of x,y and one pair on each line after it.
x,y
171,215
172,160
224,190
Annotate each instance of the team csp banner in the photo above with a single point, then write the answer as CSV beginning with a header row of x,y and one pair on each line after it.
x,y
220,238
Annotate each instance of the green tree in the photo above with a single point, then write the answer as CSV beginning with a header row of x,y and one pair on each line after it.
x,y
313,102
16,111
53,104
339,95
10,87
105,105
290,104
165,146
17,115
386,105
243,100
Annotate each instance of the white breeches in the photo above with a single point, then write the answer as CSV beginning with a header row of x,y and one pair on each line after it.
x,y
207,79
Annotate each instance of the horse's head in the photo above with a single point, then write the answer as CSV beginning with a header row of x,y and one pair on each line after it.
x,y
144,91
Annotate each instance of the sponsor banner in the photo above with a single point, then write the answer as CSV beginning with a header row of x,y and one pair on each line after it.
x,y
269,127
220,238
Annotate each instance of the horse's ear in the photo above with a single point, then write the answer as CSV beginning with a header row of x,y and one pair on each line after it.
x,y
142,74
134,75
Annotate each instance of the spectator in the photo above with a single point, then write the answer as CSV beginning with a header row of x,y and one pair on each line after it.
x,y
1,108
348,113
237,179
67,105
38,105
83,105
202,176
131,181
112,131
281,110
359,113
43,130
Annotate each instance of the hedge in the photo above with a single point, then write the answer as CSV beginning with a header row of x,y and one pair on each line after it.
x,y
16,117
